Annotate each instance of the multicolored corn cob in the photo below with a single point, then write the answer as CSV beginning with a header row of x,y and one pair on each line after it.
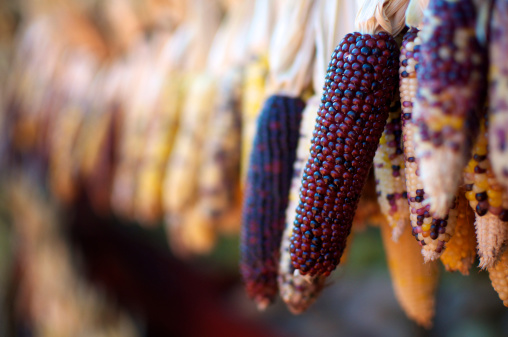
x,y
389,172
181,176
359,87
159,144
499,277
450,94
498,87
489,201
219,177
266,195
461,249
432,232
414,282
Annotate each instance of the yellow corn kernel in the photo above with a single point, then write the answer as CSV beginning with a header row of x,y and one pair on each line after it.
x,y
499,277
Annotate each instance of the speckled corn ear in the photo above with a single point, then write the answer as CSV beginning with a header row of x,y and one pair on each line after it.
x,y
489,201
498,87
451,93
266,195
359,87
414,282
461,249
389,171
432,232
498,276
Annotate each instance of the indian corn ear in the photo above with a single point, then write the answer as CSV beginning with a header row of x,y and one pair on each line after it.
x,y
266,195
220,171
359,86
461,249
450,95
432,232
499,277
489,201
414,282
389,171
498,87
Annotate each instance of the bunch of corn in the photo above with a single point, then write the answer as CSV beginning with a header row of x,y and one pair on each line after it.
x,y
498,86
71,306
489,201
450,94
414,282
266,196
461,249
389,171
359,87
499,275
432,232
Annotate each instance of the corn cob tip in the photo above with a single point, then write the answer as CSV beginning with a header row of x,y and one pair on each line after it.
x,y
487,262
430,255
262,303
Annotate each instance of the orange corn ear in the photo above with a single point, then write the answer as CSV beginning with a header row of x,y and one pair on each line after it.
x,y
414,282
451,92
461,250
499,277
431,232
489,201
498,77
389,171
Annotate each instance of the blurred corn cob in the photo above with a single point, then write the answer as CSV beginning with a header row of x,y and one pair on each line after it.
x,y
389,172
499,277
461,249
431,232
219,176
414,282
160,140
451,90
489,201
341,153
180,182
266,197
498,86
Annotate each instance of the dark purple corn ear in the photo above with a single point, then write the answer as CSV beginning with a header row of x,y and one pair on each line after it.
x,y
266,197
360,83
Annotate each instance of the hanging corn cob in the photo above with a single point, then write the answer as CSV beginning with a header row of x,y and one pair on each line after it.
x,y
461,249
414,282
499,275
431,232
498,86
219,178
489,201
389,171
299,291
359,87
274,151
450,94
180,183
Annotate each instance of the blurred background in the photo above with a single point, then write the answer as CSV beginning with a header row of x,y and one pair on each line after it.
x,y
125,131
